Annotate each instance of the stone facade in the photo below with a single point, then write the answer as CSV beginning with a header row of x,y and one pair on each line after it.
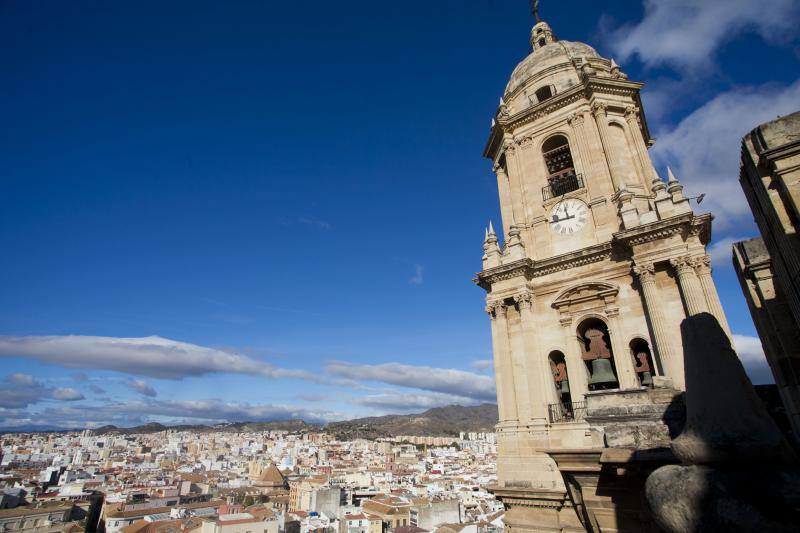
x,y
601,262
768,267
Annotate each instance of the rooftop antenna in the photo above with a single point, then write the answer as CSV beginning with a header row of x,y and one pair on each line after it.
x,y
535,10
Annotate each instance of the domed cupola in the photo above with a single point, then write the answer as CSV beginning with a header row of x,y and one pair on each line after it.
x,y
541,35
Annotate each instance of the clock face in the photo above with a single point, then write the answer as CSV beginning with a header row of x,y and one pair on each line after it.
x,y
568,216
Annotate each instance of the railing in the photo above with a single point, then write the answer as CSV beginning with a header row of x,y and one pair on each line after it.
x,y
567,411
562,183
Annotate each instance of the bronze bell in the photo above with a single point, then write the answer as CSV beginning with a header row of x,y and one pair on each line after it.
x,y
647,379
602,373
564,387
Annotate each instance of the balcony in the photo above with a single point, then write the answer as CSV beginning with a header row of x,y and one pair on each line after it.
x,y
567,412
562,183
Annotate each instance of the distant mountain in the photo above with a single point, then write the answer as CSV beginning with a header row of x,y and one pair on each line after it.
x,y
437,422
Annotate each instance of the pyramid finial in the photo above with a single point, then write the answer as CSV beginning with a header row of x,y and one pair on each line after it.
x,y
491,228
671,177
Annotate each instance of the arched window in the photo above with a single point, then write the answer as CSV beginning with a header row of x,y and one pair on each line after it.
x,y
542,43
561,176
543,93
643,362
595,341
563,411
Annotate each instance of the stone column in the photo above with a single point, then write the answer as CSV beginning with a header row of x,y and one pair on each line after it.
x,y
540,388
576,121
622,356
576,368
662,338
506,395
504,191
690,286
599,112
635,133
491,308
515,182
519,370
702,265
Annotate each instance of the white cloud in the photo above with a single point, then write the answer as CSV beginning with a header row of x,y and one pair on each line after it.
x,y
66,394
686,33
21,390
446,380
405,402
482,364
143,356
751,353
141,386
126,414
721,251
418,277
704,148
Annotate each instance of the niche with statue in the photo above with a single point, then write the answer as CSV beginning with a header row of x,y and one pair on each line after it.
x,y
595,343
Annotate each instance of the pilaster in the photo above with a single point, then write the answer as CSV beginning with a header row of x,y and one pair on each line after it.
x,y
639,148
507,404
540,383
622,356
690,286
645,273
599,112
504,190
576,369
702,266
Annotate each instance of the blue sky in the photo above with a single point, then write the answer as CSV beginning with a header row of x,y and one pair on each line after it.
x,y
292,197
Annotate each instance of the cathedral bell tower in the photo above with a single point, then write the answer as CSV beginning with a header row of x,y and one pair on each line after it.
x,y
601,261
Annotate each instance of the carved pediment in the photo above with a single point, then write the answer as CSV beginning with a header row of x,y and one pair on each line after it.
x,y
585,295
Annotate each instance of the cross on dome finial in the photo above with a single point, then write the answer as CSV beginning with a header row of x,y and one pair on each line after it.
x,y
535,10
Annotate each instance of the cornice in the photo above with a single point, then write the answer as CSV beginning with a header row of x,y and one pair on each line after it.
x,y
662,229
584,256
486,277
534,269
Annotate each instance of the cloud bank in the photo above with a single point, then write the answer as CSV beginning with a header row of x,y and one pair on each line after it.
x,y
153,357
21,390
444,380
703,149
685,33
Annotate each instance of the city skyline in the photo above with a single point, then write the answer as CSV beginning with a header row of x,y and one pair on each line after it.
x,y
255,213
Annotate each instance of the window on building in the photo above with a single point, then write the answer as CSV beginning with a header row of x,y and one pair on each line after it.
x,y
541,42
595,341
543,93
643,362
561,178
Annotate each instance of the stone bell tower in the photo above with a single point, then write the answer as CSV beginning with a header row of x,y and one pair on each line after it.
x,y
601,261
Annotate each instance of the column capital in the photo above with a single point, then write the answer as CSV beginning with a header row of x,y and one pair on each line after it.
x,y
644,272
631,113
498,168
702,264
598,108
682,265
509,146
496,308
575,119
524,141
524,299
